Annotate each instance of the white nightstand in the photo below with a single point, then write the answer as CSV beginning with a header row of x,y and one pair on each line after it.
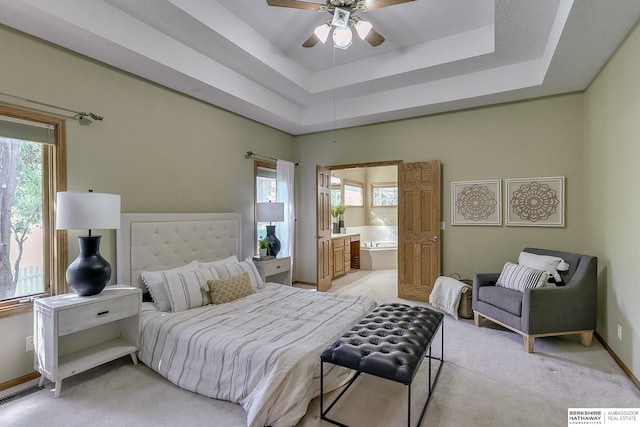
x,y
276,270
72,334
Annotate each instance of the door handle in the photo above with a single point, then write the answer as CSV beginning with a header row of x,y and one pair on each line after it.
x,y
434,239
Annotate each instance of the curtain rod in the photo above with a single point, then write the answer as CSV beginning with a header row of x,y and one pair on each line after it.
x,y
81,115
252,155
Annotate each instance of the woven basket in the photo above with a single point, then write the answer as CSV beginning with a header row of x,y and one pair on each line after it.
x,y
465,310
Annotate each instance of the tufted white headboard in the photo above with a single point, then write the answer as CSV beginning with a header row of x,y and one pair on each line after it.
x,y
152,241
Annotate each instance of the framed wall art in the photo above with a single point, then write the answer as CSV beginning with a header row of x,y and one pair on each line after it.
x,y
537,202
476,202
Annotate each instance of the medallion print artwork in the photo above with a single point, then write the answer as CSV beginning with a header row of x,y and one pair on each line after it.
x,y
535,202
476,202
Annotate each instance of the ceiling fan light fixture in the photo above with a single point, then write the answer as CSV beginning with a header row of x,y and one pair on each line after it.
x,y
322,32
342,37
363,28
340,18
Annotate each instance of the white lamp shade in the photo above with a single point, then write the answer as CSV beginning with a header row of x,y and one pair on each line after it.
x,y
363,28
322,32
342,37
87,210
270,212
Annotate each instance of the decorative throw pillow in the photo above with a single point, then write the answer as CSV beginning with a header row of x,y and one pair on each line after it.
x,y
548,263
519,277
185,288
154,281
254,272
231,267
230,288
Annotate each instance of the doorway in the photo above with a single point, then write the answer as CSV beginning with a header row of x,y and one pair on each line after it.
x,y
364,219
417,222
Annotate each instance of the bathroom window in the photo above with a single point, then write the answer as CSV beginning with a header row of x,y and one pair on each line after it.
x,y
336,191
384,194
353,194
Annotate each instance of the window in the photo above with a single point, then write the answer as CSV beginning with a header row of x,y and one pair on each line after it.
x,y
265,191
384,194
33,256
336,191
353,193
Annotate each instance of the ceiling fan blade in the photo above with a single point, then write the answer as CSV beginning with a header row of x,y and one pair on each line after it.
x,y
311,41
296,4
377,4
374,38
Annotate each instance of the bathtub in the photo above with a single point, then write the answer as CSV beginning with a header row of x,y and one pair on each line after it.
x,y
382,255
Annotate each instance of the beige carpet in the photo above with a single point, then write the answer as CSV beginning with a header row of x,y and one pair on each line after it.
x,y
487,380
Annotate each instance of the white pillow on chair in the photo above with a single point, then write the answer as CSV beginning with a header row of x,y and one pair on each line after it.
x,y
548,263
519,277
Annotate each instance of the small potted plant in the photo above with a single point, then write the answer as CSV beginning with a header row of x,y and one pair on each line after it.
x,y
335,213
264,247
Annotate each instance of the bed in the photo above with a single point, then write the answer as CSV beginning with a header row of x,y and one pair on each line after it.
x,y
261,350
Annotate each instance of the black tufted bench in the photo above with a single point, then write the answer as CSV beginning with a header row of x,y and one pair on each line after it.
x,y
390,342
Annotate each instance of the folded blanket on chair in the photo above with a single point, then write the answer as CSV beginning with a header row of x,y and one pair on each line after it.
x,y
446,294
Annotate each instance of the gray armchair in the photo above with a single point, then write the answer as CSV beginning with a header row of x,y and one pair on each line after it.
x,y
546,311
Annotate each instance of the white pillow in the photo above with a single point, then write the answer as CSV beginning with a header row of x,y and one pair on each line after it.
x,y
519,277
188,289
254,271
228,267
154,281
550,264
229,259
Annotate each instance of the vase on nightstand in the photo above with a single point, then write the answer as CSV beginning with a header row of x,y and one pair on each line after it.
x,y
274,243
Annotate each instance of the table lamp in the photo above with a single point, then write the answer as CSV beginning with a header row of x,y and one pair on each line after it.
x,y
89,273
271,212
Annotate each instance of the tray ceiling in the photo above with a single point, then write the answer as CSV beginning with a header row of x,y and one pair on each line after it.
x,y
247,57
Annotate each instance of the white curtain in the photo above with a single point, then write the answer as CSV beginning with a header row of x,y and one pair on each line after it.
x,y
286,230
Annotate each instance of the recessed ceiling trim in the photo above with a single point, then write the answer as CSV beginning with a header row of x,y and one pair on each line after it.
x,y
469,44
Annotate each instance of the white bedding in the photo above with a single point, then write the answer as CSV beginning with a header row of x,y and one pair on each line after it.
x,y
262,351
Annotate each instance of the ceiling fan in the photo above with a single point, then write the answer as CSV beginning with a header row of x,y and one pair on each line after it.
x,y
343,17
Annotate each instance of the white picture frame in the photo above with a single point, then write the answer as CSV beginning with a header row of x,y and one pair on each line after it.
x,y
535,202
476,202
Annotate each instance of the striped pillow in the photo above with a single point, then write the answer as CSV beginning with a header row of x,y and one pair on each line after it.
x,y
519,277
188,289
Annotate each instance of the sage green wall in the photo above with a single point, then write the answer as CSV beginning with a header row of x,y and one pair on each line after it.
x,y
160,150
612,147
527,139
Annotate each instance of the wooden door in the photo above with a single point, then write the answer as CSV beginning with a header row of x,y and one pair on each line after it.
x,y
323,228
419,188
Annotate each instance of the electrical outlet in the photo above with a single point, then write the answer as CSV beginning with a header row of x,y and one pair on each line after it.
x,y
620,332
29,344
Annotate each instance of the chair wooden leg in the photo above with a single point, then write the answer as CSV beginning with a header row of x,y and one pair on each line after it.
x,y
586,338
477,319
528,343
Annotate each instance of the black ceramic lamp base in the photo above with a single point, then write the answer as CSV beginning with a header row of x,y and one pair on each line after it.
x,y
274,243
90,272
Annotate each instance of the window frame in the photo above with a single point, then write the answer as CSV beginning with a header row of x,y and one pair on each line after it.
x,y
360,185
382,185
256,165
56,251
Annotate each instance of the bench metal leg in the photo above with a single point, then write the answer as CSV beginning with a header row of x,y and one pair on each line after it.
x,y
323,413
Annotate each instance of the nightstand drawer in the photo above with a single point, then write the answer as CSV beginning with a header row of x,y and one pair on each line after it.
x,y
98,313
277,266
